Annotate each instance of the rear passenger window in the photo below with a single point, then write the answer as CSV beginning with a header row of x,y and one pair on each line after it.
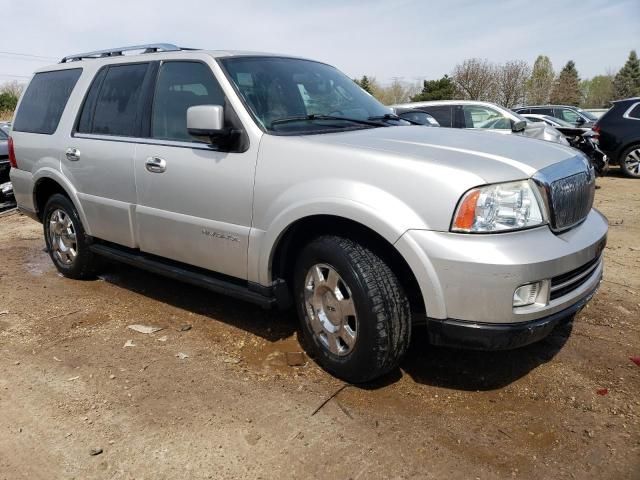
x,y
113,103
441,113
181,85
45,100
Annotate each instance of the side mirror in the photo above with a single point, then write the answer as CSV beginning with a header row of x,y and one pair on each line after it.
x,y
580,121
206,122
518,126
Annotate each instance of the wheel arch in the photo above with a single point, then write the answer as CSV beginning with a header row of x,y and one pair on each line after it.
x,y
49,183
300,232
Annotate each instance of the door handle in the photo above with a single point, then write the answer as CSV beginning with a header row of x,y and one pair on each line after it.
x,y
72,154
155,165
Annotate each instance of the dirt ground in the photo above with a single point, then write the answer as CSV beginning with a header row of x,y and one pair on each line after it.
x,y
218,400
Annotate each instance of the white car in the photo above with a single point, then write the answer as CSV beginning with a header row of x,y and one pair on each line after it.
x,y
476,115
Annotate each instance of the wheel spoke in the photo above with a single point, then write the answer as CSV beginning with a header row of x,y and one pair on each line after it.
x,y
347,307
348,336
332,342
332,281
318,277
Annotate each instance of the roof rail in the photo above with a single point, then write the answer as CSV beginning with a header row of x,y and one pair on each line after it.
x,y
114,52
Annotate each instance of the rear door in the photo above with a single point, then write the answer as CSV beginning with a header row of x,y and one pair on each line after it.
x,y
99,158
196,207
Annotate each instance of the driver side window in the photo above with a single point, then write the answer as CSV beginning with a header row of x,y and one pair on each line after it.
x,y
569,115
181,85
484,117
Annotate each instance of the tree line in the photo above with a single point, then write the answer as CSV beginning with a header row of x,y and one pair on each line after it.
x,y
515,83
9,94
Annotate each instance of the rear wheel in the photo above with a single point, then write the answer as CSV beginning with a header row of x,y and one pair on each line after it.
x,y
630,161
66,239
355,317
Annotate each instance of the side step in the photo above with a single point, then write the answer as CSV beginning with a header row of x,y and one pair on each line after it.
x,y
263,296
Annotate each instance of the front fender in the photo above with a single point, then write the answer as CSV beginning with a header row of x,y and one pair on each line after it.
x,y
360,203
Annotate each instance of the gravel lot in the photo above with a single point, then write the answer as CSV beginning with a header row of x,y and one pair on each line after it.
x,y
218,400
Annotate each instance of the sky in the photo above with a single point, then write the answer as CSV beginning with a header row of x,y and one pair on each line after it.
x,y
406,39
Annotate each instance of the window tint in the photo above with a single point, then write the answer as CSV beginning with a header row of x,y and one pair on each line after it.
x,y
181,85
45,100
484,117
441,113
117,103
3,135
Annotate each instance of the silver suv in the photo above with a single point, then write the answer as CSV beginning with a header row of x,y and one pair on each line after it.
x,y
279,181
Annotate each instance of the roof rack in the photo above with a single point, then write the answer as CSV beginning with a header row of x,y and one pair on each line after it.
x,y
115,52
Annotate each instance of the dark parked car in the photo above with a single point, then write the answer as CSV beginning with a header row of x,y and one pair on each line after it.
x,y
619,131
574,115
4,156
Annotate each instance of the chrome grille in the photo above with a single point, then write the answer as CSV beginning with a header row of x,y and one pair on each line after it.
x,y
571,199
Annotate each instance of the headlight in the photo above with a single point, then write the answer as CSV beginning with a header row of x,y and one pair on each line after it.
x,y
497,208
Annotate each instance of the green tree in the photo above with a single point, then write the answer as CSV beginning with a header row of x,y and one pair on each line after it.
x,y
442,89
365,84
8,102
597,92
540,82
566,88
627,81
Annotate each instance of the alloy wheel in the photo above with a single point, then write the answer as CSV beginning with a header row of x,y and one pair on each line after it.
x,y
62,237
330,309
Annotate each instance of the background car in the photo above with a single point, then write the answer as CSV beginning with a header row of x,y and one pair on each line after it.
x,y
619,135
483,115
574,115
4,156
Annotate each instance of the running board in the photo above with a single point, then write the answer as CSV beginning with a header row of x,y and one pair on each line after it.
x,y
264,296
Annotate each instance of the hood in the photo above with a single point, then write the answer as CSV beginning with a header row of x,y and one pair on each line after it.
x,y
494,158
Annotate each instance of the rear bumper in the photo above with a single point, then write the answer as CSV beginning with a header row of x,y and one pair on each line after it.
x,y
495,336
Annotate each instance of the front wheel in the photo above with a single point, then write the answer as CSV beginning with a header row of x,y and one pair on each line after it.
x,y
354,314
630,162
67,242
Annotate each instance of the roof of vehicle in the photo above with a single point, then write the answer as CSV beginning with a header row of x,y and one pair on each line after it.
x,y
545,106
631,99
155,50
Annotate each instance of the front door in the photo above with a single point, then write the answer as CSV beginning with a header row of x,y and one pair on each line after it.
x,y
194,203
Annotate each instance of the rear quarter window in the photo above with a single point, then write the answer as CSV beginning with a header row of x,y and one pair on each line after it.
x,y
44,101
635,112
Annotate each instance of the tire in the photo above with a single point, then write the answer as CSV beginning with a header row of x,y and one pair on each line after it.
x,y
630,161
341,285
70,255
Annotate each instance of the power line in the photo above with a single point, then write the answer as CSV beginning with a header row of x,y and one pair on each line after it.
x,y
14,76
28,55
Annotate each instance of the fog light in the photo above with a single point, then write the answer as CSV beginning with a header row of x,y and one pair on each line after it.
x,y
526,294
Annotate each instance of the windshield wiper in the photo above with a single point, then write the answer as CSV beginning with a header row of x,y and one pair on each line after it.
x,y
312,117
391,116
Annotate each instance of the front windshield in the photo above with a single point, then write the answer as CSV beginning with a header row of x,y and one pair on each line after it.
x,y
276,89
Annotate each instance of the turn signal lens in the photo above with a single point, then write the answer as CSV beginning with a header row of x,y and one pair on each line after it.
x,y
466,214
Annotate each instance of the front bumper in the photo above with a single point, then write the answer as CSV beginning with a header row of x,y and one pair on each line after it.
x,y
472,278
499,336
